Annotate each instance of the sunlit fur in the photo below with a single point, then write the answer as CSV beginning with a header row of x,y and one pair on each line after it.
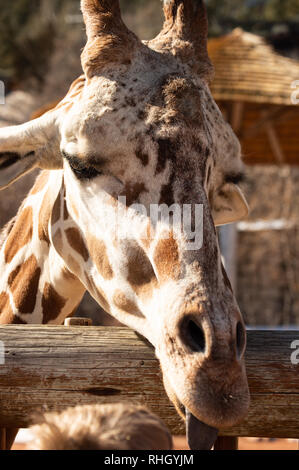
x,y
100,427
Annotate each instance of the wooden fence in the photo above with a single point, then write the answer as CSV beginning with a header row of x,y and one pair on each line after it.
x,y
52,367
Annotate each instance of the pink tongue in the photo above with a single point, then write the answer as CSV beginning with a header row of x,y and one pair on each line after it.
x,y
200,436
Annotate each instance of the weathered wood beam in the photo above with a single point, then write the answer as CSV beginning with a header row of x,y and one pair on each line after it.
x,y
56,367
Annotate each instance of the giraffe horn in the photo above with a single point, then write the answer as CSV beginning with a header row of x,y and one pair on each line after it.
x,y
108,39
185,33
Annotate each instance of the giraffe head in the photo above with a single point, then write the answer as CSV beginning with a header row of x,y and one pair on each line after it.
x,y
141,127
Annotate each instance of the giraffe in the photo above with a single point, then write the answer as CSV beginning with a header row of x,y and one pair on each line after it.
x,y
140,124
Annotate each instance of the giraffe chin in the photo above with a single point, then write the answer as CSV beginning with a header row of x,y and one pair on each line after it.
x,y
200,436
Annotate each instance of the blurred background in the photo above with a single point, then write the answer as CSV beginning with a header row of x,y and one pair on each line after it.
x,y
254,45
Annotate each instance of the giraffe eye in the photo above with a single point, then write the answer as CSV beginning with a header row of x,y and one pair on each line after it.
x,y
82,172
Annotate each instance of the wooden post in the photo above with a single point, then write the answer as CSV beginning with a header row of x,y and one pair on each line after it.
x,y
2,438
237,116
77,321
226,443
10,435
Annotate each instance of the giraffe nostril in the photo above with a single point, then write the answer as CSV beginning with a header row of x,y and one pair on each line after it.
x,y
193,335
240,339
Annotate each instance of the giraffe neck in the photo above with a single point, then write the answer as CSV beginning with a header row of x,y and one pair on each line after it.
x,y
35,285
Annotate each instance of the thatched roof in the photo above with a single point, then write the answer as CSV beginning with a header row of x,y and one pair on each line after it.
x,y
248,69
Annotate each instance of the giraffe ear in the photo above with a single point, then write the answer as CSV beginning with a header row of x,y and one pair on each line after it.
x,y
229,205
28,146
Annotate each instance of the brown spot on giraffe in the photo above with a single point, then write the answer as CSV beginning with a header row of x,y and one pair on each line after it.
x,y
132,192
43,219
4,299
65,211
98,252
6,313
23,283
56,210
122,302
167,195
7,316
166,259
20,235
52,303
76,241
166,152
16,320
11,319
40,182
142,156
58,241
140,275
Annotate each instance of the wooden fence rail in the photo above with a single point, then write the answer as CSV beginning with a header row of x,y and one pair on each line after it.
x,y
52,367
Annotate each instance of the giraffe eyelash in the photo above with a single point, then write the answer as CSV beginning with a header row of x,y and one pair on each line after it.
x,y
82,172
235,178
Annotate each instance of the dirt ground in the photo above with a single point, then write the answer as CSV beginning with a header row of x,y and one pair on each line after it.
x,y
249,443
245,443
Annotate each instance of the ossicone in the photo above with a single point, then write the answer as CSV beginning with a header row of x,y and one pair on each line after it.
x,y
109,41
185,34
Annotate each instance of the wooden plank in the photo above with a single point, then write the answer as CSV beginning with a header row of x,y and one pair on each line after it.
x,y
62,366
